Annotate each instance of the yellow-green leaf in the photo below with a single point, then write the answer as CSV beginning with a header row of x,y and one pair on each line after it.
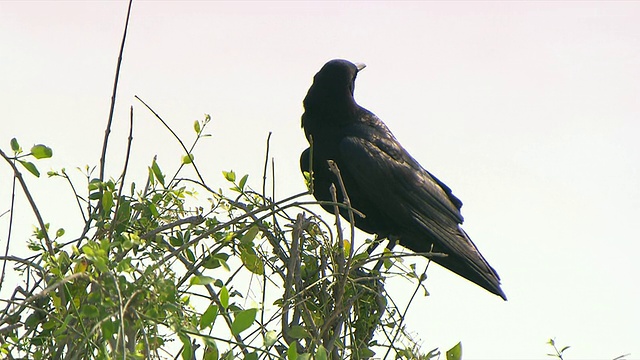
x,y
270,338
157,172
251,261
202,280
187,159
292,352
249,235
455,353
29,166
229,175
107,201
224,297
41,151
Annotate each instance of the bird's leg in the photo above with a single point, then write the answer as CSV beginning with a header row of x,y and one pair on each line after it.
x,y
393,240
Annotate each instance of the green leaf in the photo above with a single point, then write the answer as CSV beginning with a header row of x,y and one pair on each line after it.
x,y
243,321
304,356
107,201
196,126
455,353
251,261
292,352
321,353
251,356
243,181
366,353
15,146
202,280
230,175
211,352
215,261
249,235
33,320
209,316
154,210
90,311
29,166
187,350
224,297
157,172
387,262
41,151
124,212
190,255
60,232
270,338
94,184
298,332
187,159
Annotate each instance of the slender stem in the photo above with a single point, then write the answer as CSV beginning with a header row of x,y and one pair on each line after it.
x,y
113,96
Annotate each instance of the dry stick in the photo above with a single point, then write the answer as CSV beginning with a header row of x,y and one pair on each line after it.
x,y
330,339
264,172
292,267
172,133
343,279
11,209
76,196
264,202
123,176
18,175
7,313
113,96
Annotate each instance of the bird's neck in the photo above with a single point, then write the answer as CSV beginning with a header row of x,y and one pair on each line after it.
x,y
330,104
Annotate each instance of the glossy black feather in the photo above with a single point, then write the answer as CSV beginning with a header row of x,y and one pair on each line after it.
x,y
398,196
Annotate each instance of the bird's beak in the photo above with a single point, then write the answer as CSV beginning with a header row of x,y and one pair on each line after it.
x,y
360,66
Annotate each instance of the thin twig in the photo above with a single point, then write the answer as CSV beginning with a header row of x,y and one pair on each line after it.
x,y
123,176
113,96
292,267
264,171
43,228
174,135
11,211
404,313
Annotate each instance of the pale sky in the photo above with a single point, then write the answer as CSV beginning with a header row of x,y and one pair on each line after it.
x,y
529,111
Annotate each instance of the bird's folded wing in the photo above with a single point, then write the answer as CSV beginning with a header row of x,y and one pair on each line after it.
x,y
413,199
397,182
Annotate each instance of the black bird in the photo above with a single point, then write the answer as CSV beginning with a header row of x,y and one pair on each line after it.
x,y
400,199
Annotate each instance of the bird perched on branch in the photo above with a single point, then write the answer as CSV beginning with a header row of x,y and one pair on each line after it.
x,y
399,198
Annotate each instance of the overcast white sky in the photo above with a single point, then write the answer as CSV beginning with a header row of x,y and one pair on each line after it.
x,y
529,111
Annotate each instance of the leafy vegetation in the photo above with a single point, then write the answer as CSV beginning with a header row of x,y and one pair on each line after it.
x,y
156,271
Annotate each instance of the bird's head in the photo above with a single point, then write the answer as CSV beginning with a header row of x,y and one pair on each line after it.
x,y
333,86
338,74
